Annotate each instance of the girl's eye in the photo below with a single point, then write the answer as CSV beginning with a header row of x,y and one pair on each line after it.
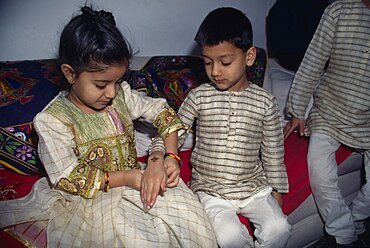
x,y
207,63
100,87
119,81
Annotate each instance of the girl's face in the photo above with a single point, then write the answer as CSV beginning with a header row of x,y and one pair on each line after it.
x,y
93,91
225,65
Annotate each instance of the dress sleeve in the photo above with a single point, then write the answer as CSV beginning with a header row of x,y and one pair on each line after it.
x,y
312,66
272,149
153,110
187,114
56,149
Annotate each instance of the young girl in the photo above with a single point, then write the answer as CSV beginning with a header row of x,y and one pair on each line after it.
x,y
96,194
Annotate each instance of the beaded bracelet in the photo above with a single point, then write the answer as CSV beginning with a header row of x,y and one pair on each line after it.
x,y
174,156
106,181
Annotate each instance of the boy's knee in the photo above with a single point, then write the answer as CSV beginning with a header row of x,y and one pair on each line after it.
x,y
275,234
280,230
234,236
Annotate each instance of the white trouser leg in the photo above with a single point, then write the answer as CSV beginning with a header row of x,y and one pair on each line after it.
x,y
323,174
229,231
360,206
271,225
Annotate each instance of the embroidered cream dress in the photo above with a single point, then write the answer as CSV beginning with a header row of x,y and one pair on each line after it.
x,y
76,148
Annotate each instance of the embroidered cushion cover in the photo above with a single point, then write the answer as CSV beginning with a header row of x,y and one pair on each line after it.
x,y
25,88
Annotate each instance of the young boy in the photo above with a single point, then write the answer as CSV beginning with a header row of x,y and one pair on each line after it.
x,y
340,115
238,159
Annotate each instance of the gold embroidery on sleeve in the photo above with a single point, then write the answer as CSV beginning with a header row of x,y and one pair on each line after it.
x,y
67,185
167,122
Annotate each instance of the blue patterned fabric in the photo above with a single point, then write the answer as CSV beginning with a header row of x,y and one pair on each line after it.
x,y
25,88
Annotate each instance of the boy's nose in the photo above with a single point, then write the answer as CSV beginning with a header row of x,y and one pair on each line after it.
x,y
216,71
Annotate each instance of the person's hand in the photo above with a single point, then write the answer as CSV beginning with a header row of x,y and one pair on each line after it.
x,y
292,125
154,180
173,171
132,178
278,198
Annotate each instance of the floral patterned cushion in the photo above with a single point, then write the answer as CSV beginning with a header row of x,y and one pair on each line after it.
x,y
170,77
25,88
18,151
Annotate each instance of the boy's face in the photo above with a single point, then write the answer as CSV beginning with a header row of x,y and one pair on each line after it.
x,y
225,65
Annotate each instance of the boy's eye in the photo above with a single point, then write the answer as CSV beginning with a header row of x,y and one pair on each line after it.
x,y
226,63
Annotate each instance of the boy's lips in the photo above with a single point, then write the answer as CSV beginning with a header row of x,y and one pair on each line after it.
x,y
220,81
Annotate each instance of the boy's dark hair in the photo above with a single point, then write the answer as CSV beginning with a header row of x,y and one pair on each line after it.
x,y
92,40
225,24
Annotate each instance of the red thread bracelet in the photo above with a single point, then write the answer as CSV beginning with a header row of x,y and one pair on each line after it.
x,y
174,156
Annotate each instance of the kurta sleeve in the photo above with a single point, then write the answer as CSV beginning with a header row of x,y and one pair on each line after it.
x,y
272,149
56,151
312,66
188,112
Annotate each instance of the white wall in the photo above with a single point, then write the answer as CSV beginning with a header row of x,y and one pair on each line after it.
x,y
30,29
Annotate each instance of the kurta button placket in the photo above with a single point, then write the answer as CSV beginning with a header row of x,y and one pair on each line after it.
x,y
233,105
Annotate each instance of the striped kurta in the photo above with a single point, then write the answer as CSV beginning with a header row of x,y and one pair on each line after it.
x,y
342,93
239,143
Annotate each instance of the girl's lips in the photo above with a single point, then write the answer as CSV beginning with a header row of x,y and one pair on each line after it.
x,y
104,102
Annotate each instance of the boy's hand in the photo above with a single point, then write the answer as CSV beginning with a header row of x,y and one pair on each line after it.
x,y
278,198
292,125
154,180
173,172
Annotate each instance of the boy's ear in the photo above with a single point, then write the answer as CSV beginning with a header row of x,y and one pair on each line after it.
x,y
251,56
68,72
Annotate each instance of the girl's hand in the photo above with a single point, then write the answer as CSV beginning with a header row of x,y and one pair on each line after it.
x,y
173,172
154,180
132,178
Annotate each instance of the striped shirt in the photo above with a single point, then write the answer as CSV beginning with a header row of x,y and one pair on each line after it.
x,y
342,93
239,147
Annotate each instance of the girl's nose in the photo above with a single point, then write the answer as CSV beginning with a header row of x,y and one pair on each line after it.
x,y
110,91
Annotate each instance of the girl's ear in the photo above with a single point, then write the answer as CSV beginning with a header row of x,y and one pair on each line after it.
x,y
251,56
68,72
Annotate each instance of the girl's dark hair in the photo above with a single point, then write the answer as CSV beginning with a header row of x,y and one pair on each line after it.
x,y
91,41
225,24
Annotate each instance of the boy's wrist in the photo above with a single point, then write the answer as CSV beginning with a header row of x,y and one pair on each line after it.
x,y
174,156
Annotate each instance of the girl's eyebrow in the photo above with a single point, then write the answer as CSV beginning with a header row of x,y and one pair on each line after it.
x,y
102,80
108,81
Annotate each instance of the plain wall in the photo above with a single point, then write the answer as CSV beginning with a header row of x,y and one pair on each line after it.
x,y
30,29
